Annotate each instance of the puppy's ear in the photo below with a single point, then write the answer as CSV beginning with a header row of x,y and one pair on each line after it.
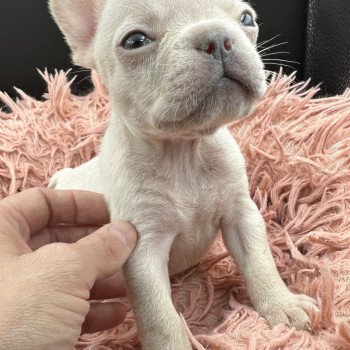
x,y
78,20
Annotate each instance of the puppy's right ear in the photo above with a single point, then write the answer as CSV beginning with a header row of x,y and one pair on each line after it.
x,y
78,20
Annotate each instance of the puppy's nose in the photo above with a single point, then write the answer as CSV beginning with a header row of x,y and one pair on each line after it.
x,y
218,46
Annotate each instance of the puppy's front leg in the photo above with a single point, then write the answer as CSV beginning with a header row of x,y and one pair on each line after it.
x,y
147,277
245,237
84,177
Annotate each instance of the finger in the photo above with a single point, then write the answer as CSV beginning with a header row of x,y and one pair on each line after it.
x,y
109,288
60,234
103,316
31,210
105,251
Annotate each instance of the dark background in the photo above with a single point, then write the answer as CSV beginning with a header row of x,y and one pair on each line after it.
x,y
30,39
287,19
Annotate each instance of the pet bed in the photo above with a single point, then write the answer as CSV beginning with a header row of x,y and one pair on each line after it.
x,y
297,150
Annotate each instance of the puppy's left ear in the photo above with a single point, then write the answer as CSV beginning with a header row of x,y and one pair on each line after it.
x,y
78,20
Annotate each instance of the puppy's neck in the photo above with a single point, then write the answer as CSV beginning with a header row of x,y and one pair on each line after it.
x,y
151,145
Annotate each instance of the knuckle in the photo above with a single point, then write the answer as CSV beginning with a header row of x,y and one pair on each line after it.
x,y
63,259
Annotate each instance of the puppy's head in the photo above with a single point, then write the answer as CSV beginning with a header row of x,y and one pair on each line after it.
x,y
174,68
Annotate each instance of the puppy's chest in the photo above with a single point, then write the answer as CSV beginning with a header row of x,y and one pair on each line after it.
x,y
177,189
197,202
195,199
196,213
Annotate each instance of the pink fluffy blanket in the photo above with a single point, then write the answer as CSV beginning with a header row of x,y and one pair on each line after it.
x,y
297,150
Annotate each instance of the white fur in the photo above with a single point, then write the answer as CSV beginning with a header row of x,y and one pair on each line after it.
x,y
168,164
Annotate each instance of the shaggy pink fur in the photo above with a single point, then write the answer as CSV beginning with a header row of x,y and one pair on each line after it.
x,y
297,150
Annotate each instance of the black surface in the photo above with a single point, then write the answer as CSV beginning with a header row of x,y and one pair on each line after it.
x,y
287,19
328,45
29,39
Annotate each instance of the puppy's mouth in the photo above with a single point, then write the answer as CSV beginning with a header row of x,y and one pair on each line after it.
x,y
226,94
243,82
197,121
238,82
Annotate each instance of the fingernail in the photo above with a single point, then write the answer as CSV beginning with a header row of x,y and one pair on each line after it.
x,y
124,232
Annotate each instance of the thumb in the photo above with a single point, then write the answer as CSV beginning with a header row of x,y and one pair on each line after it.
x,y
105,251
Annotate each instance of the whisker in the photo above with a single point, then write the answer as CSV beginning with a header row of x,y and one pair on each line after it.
x,y
80,81
267,41
280,60
279,65
275,53
80,71
272,46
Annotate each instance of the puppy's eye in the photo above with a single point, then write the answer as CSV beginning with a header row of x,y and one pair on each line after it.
x,y
136,40
247,20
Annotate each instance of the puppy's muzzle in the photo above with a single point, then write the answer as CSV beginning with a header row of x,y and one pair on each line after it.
x,y
222,50
218,46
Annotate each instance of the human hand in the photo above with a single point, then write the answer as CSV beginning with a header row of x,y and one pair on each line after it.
x,y
52,261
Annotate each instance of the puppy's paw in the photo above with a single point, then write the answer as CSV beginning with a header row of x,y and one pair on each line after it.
x,y
60,180
288,308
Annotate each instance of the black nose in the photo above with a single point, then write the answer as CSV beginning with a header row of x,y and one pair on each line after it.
x,y
218,46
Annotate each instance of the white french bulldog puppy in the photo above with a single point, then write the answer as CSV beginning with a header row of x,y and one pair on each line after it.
x,y
177,71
